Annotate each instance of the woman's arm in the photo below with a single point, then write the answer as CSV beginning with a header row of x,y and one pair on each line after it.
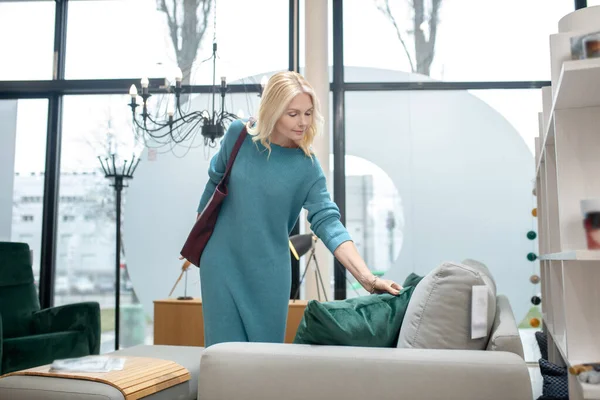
x,y
324,218
348,256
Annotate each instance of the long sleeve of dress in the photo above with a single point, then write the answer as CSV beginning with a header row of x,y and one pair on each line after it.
x,y
218,162
324,216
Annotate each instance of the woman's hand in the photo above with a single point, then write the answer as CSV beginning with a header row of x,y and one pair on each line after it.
x,y
378,286
348,255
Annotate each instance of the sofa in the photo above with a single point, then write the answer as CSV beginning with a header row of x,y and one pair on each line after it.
x,y
442,352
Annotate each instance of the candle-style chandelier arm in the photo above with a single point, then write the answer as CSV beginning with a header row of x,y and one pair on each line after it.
x,y
178,125
176,122
229,116
178,133
189,129
153,132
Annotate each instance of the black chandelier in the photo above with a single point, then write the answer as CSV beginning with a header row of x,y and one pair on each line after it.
x,y
171,124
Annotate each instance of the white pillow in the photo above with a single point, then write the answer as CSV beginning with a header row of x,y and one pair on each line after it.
x,y
439,313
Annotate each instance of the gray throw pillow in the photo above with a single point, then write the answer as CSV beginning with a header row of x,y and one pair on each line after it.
x,y
439,313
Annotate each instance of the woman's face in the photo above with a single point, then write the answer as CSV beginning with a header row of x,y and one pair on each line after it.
x,y
294,122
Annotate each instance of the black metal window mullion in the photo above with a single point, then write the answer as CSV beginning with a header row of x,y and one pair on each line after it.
x,y
579,4
339,137
294,60
441,85
294,35
35,89
43,89
52,167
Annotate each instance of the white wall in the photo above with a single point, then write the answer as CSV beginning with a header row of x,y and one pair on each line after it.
x,y
464,175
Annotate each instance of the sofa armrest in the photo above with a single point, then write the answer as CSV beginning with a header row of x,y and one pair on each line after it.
x,y
83,317
297,372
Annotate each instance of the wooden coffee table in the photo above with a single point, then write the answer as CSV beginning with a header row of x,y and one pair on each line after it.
x,y
142,377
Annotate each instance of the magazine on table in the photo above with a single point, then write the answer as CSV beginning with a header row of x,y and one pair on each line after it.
x,y
88,364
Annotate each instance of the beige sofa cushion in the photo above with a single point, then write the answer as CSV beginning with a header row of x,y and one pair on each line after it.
x,y
439,313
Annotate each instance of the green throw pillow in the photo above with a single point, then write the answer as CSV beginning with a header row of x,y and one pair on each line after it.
x,y
366,321
412,280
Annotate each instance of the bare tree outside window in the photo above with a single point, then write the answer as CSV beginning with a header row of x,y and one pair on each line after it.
x,y
424,23
187,21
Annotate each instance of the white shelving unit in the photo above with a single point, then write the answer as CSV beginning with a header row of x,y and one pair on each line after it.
x,y
568,171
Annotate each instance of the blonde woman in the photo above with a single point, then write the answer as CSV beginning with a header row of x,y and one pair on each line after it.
x,y
245,267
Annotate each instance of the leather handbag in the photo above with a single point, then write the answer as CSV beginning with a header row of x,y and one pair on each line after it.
x,y
206,221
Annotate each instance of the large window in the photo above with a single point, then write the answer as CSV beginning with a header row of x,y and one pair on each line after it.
x,y
422,190
132,38
158,208
22,155
471,40
27,44
85,266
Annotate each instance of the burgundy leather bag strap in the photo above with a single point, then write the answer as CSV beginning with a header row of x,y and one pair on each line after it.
x,y
236,148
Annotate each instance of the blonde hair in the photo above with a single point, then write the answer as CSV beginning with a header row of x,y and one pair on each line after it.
x,y
279,92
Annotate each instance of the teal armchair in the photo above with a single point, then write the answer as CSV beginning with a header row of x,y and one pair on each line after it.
x,y
29,336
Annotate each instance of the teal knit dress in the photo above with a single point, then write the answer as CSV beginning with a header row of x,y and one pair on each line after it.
x,y
245,269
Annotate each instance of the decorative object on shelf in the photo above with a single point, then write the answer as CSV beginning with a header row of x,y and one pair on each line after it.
x,y
591,46
534,322
590,208
535,279
585,46
169,124
586,372
536,300
534,212
531,235
532,256
118,175
184,270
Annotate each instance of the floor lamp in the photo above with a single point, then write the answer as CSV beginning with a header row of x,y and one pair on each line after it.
x,y
118,176
299,246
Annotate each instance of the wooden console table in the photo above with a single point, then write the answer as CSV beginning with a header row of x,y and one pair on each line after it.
x,y
180,322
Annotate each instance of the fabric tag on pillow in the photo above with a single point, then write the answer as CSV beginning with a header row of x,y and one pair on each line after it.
x,y
479,310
